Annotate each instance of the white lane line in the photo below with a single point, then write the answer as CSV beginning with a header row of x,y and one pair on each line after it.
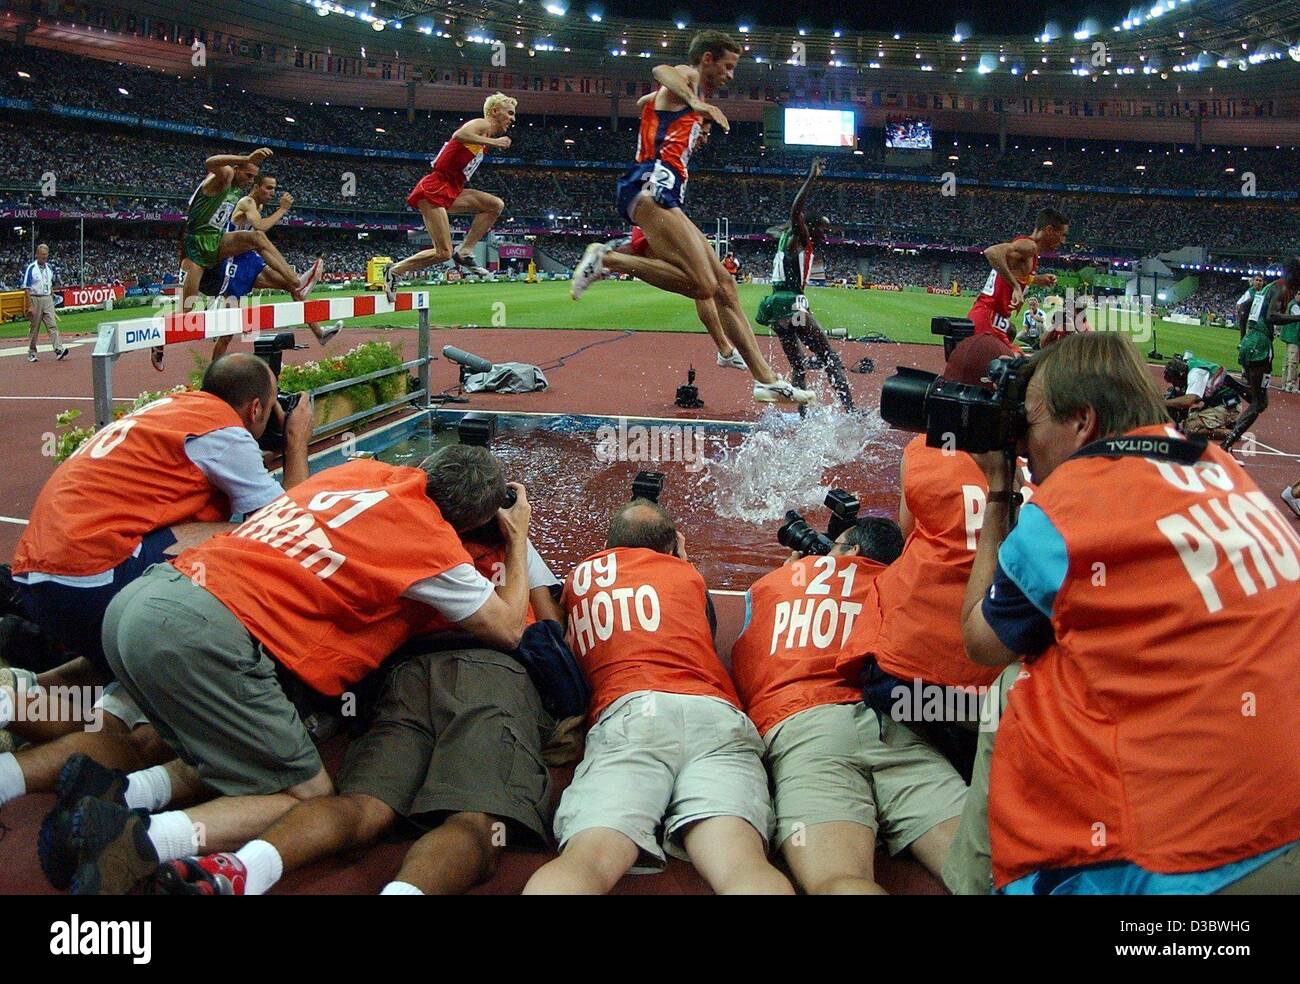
x,y
14,520
47,349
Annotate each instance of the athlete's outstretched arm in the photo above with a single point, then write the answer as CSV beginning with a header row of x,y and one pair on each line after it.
x,y
1276,311
796,207
221,168
260,223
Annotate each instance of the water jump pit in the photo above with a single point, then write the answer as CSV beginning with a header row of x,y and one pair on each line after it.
x,y
727,484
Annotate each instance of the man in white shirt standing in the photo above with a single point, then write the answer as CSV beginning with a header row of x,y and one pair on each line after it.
x,y
38,281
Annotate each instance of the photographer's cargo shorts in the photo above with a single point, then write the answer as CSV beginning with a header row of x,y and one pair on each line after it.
x,y
207,685
457,732
656,763
841,762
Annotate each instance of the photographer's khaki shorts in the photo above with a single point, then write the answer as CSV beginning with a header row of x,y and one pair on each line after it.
x,y
658,762
1207,421
831,764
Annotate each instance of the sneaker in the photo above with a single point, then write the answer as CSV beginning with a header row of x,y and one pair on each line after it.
x,y
60,355
733,361
156,357
114,853
782,391
467,264
1289,498
308,280
31,357
331,331
210,874
390,285
589,269
80,778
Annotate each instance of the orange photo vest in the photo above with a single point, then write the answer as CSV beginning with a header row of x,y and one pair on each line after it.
x,y
317,576
637,621
915,630
129,479
800,617
1161,727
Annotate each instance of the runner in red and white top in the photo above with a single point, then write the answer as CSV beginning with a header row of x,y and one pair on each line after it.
x,y
1015,266
443,190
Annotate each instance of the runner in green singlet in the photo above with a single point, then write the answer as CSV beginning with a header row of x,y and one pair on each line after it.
x,y
1257,323
785,310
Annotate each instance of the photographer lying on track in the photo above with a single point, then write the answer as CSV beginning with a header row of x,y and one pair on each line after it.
x,y
324,584
107,514
454,750
842,775
671,761
1149,743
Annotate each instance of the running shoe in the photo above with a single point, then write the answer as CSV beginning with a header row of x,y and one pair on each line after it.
x,y
331,331
210,874
467,264
781,391
308,280
80,778
1289,498
156,357
61,355
31,357
733,361
589,269
114,853
390,284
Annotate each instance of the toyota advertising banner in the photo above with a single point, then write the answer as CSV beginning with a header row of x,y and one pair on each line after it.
x,y
92,296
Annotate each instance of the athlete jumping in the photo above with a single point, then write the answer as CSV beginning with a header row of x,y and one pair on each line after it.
x,y
209,238
1015,266
651,193
443,191
240,275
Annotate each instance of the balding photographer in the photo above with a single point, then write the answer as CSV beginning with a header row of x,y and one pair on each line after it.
x,y
1148,745
107,514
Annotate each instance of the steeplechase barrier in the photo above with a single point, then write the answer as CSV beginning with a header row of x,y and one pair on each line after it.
x,y
172,328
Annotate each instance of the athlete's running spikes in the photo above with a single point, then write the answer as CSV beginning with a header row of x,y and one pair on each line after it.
x,y
114,853
781,391
1289,498
733,361
589,269
308,280
156,357
331,331
81,777
467,264
390,284
210,874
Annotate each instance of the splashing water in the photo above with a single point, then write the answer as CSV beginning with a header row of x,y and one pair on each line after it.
x,y
782,463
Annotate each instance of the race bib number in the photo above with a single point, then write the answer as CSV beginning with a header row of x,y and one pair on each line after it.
x,y
472,166
990,283
1257,308
221,217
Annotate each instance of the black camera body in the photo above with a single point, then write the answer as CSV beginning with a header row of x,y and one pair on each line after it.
x,y
958,416
648,485
798,535
270,349
272,438
953,330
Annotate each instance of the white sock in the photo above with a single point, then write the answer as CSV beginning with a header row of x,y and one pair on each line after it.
x,y
148,789
172,835
12,783
400,888
263,864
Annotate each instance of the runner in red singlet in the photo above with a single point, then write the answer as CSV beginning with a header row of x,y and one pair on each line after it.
x,y
1015,266
443,190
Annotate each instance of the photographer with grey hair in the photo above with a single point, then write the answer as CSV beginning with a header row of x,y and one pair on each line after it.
x,y
322,585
